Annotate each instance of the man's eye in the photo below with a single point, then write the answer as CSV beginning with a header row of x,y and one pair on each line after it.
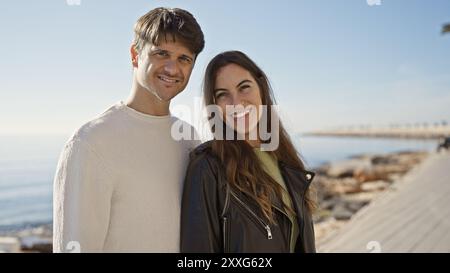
x,y
161,53
185,60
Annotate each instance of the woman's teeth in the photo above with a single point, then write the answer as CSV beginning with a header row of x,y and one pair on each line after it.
x,y
241,114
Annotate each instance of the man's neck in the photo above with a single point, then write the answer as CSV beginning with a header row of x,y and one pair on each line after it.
x,y
143,101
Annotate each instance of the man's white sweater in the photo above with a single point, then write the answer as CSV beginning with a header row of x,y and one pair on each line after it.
x,y
118,185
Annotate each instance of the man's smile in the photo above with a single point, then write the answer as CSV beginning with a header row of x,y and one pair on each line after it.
x,y
168,79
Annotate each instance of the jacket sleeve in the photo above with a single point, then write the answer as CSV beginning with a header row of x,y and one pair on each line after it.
x,y
81,200
200,211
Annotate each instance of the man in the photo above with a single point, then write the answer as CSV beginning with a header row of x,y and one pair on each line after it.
x,y
119,179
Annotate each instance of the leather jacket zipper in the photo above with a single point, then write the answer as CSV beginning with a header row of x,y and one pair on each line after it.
x,y
289,224
265,226
225,239
302,223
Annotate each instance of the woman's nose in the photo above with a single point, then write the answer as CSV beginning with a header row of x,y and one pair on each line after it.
x,y
236,99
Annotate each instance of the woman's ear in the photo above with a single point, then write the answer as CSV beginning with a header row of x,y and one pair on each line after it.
x,y
134,56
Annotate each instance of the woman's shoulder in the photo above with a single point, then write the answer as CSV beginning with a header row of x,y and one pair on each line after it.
x,y
205,168
204,151
203,156
202,148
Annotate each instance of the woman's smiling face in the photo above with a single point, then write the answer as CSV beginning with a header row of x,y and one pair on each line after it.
x,y
235,86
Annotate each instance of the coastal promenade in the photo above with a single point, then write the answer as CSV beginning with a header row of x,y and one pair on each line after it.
x,y
413,215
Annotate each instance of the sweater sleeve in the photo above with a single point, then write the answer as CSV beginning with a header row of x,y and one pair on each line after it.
x,y
81,200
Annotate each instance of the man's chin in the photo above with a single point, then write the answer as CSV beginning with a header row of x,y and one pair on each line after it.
x,y
166,96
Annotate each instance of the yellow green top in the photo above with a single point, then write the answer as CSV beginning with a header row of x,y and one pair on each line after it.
x,y
270,165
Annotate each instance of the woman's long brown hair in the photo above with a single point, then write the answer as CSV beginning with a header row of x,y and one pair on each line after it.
x,y
243,170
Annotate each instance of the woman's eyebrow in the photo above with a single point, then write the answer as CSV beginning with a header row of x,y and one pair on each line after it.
x,y
243,81
220,89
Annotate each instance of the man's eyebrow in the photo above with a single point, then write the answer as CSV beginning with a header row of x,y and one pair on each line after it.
x,y
242,82
191,58
158,50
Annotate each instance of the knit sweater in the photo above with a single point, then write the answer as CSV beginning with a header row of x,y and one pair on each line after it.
x,y
118,184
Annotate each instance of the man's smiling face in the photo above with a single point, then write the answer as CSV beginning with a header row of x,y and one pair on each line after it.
x,y
164,69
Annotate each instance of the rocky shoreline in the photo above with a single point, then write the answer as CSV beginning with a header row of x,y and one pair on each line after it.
x,y
34,238
343,188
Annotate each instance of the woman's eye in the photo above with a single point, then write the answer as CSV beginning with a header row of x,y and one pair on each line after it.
x,y
245,87
220,95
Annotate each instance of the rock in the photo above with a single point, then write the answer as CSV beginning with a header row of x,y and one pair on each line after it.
x,y
354,206
406,153
346,168
345,186
9,245
410,159
340,212
393,168
378,185
372,174
321,215
394,177
341,172
343,209
340,207
322,170
322,229
327,188
376,160
45,230
330,203
360,197
37,244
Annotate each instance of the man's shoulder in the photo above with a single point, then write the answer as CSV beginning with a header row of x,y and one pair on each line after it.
x,y
99,128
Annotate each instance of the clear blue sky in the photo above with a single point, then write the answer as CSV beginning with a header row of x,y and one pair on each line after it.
x,y
330,62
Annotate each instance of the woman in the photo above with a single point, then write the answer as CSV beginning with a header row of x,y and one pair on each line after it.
x,y
236,197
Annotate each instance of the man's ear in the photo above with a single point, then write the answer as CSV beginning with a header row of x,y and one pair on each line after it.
x,y
134,55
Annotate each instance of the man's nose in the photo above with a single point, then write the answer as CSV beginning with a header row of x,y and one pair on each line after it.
x,y
171,67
